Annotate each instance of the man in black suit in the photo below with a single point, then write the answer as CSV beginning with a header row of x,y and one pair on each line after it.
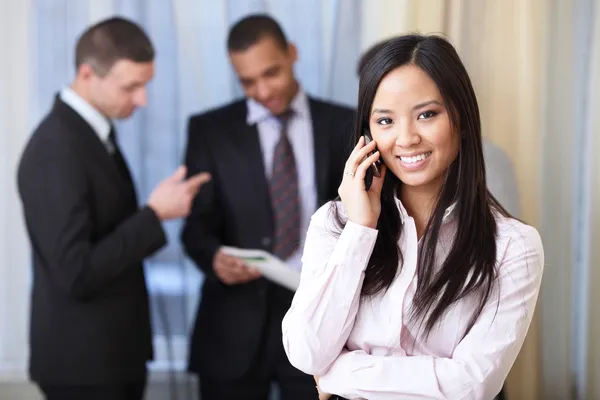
x,y
90,326
274,158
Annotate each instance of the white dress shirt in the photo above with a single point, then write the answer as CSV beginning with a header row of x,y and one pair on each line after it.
x,y
368,349
93,117
300,133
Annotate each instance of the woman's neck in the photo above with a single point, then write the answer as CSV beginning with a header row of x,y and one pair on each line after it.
x,y
419,204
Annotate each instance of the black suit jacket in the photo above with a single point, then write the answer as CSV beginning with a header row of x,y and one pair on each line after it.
x,y
234,209
90,321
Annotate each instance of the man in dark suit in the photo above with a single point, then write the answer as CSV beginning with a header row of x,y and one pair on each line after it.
x,y
274,158
90,326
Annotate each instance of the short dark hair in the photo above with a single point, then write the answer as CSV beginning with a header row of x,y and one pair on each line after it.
x,y
249,30
111,40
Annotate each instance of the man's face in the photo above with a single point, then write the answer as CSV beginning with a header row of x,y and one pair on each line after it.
x,y
266,72
122,89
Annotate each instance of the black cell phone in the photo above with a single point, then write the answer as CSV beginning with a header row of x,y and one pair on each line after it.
x,y
374,168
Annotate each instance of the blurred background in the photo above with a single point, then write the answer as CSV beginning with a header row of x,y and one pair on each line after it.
x,y
535,66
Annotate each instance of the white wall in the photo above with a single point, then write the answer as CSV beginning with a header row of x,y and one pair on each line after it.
x,y
15,84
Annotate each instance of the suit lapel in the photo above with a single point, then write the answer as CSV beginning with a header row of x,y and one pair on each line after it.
x,y
119,161
250,159
320,124
93,145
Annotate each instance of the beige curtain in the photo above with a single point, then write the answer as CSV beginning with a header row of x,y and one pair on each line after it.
x,y
502,45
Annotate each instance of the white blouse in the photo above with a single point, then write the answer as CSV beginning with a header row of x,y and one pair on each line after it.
x,y
367,349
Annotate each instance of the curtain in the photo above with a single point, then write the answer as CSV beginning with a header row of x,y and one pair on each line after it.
x,y
502,45
592,298
569,200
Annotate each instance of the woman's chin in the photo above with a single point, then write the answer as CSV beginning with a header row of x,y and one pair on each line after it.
x,y
415,179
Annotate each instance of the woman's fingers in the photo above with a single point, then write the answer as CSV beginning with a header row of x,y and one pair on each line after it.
x,y
377,183
361,171
358,155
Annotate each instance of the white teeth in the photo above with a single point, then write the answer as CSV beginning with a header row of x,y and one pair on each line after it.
x,y
414,159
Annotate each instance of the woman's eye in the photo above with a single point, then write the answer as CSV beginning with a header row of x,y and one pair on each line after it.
x,y
427,115
384,121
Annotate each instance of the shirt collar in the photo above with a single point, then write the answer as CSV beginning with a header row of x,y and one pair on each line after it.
x,y
259,113
448,214
93,117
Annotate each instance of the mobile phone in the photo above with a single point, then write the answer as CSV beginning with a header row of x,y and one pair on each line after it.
x,y
377,164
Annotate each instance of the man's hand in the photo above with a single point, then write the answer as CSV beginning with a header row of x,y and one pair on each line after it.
x,y
322,396
232,271
172,198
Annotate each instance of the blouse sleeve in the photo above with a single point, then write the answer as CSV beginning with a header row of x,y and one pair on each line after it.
x,y
320,319
481,361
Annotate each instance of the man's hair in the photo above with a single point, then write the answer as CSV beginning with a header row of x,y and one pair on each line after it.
x,y
249,30
111,40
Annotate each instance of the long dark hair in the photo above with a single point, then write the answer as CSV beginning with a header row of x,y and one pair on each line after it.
x,y
470,266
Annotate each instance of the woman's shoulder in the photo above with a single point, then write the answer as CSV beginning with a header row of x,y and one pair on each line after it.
x,y
518,236
510,227
330,212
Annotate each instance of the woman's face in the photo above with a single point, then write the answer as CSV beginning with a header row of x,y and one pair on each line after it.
x,y
412,128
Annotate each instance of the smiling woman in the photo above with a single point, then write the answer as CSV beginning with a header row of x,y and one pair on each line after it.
x,y
413,130
419,273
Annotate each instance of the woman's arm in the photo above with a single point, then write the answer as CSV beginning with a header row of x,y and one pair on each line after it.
x,y
320,319
481,361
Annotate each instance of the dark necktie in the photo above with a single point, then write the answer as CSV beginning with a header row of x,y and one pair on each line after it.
x,y
284,195
117,157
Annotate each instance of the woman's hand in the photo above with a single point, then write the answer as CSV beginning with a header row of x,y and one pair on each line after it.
x,y
322,396
362,206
